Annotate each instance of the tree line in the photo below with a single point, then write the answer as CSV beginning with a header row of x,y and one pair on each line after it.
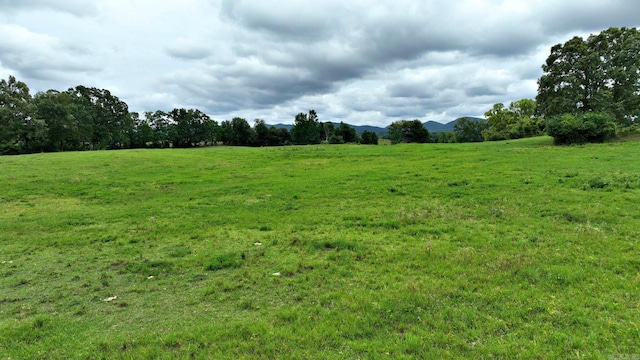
x,y
589,92
87,118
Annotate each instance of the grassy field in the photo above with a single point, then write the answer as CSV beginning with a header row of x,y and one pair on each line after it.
x,y
514,249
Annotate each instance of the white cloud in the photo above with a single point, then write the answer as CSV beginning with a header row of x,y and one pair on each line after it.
x,y
74,7
363,62
41,56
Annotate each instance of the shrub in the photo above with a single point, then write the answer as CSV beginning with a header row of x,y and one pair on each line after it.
x,y
335,139
631,130
370,138
586,128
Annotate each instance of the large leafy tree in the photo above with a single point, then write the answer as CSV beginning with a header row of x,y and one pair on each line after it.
x,y
270,135
161,124
369,137
21,131
408,131
282,134
264,137
210,131
142,134
469,130
345,133
326,130
600,74
499,119
306,129
58,111
237,132
517,121
103,119
189,127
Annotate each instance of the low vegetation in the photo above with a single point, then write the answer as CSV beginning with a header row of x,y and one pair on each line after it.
x,y
512,249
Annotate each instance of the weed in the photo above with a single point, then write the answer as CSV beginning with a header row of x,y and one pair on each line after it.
x,y
462,182
231,260
336,245
150,268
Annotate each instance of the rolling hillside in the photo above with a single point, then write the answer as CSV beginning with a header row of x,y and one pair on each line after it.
x,y
511,249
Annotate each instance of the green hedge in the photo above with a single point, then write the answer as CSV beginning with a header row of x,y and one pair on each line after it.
x,y
585,128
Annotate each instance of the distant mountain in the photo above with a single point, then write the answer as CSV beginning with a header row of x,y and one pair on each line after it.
x,y
435,127
432,126
362,128
278,126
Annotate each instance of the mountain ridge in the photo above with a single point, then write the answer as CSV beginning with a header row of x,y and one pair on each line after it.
x,y
432,126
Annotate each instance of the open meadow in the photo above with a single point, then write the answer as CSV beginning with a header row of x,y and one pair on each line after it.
x,y
515,249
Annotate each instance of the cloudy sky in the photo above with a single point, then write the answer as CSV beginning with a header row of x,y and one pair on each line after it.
x,y
363,62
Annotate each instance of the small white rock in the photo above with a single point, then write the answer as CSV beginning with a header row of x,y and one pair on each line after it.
x,y
111,298
257,244
276,274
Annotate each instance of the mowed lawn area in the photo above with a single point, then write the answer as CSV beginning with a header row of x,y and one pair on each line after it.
x,y
515,249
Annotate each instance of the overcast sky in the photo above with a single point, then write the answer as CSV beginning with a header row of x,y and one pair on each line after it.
x,y
363,62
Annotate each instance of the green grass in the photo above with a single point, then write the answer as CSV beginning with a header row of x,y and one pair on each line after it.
x,y
513,249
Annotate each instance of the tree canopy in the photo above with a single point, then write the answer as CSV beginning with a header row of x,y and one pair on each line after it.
x,y
306,129
468,130
408,131
600,74
589,89
517,121
18,126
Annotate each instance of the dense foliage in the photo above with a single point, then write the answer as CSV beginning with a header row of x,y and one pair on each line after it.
x,y
306,129
467,130
369,137
600,74
408,131
83,118
585,128
344,134
515,122
589,89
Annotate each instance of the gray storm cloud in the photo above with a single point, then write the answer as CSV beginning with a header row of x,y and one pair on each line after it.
x,y
362,62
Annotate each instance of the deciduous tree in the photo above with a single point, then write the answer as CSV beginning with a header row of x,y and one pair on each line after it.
x,y
369,138
306,129
468,130
516,121
600,74
58,111
189,127
103,119
408,131
18,125
345,133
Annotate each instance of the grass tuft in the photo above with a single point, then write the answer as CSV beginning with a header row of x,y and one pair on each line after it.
x,y
336,245
231,260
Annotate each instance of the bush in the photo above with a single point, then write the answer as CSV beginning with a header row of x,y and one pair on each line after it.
x,y
633,129
335,139
586,128
370,138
